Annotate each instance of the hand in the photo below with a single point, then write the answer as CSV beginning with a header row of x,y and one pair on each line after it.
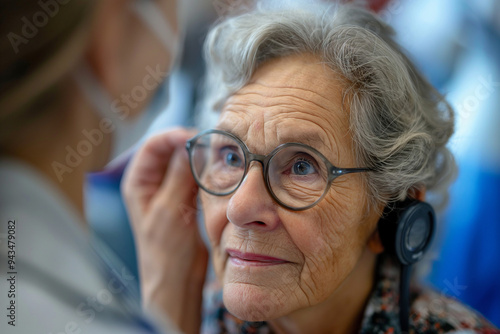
x,y
160,195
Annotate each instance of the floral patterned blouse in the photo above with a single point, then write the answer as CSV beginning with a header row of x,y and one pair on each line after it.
x,y
431,312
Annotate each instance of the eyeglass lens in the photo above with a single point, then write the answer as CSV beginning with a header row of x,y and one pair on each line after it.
x,y
297,176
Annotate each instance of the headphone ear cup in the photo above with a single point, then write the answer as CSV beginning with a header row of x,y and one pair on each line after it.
x,y
406,229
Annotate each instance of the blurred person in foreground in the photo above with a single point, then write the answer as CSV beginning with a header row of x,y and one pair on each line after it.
x,y
75,79
326,129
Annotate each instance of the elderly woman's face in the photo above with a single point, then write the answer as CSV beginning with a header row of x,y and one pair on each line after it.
x,y
270,260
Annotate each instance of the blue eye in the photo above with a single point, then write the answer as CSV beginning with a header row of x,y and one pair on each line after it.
x,y
232,159
302,167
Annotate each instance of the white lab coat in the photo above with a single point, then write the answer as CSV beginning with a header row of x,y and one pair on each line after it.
x,y
61,284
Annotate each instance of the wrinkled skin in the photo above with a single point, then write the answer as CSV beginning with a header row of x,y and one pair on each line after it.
x,y
330,249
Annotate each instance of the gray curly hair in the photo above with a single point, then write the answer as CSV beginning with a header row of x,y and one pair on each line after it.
x,y
399,122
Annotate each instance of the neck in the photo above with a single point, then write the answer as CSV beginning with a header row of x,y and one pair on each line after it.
x,y
55,146
342,312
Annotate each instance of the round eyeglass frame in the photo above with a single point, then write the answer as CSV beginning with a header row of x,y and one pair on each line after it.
x,y
265,160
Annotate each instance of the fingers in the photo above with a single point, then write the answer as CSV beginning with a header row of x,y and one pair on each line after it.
x,y
178,190
147,169
160,192
155,155
174,247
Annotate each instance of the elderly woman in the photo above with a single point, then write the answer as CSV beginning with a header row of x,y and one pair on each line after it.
x,y
324,123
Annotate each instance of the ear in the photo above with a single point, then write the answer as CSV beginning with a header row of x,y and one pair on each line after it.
x,y
417,193
375,243
104,44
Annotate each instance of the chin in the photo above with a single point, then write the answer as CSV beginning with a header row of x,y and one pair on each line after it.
x,y
254,303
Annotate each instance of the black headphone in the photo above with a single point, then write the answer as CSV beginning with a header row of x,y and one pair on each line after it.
x,y
406,230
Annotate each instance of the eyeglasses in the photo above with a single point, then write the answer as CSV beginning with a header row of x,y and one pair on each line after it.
x,y
296,175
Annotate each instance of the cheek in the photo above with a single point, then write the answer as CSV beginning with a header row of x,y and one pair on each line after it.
x,y
214,212
325,229
330,240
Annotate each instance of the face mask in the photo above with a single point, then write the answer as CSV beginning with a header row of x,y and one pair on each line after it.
x,y
128,130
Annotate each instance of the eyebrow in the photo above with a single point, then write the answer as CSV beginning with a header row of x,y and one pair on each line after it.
x,y
311,138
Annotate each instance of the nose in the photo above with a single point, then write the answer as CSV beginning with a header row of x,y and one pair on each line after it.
x,y
251,206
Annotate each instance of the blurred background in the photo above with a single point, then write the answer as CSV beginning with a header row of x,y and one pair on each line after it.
x,y
456,44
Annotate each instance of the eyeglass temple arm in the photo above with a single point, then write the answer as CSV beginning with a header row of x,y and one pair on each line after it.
x,y
342,171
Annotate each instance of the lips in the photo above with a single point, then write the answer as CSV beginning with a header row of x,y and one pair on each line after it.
x,y
250,259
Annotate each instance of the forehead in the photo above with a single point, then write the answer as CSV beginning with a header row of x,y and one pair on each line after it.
x,y
291,99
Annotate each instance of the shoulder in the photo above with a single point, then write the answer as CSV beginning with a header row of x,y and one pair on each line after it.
x,y
432,312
